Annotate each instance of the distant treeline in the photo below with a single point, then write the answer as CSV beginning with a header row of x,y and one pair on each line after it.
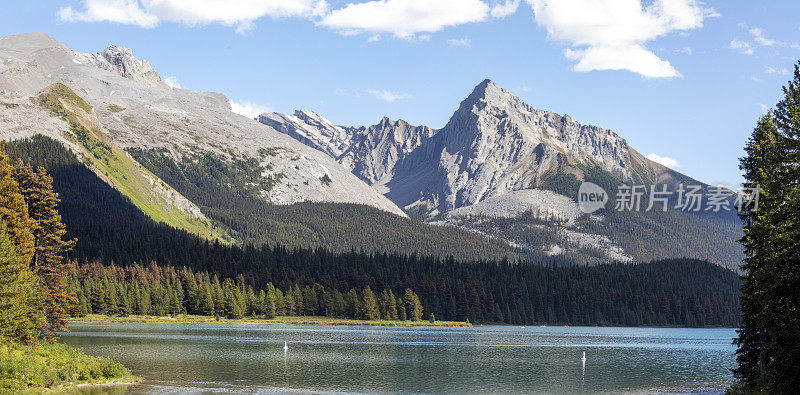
x,y
111,230
677,292
161,291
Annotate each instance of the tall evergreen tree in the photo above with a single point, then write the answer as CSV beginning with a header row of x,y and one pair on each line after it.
x,y
20,296
49,248
369,305
413,305
769,339
20,301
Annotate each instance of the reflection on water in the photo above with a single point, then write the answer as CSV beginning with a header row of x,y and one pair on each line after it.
x,y
250,358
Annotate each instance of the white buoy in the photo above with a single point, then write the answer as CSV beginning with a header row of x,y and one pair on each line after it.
x,y
583,358
285,346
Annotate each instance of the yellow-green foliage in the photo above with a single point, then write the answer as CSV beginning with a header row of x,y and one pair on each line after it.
x,y
51,95
297,320
53,365
122,171
115,108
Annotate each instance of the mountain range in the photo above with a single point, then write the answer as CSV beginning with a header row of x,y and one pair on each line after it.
x,y
499,179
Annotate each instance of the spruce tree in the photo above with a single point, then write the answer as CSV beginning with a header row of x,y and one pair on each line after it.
x,y
413,305
48,230
369,305
20,302
768,351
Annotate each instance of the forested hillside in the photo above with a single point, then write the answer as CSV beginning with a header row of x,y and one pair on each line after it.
x,y
111,230
223,189
108,226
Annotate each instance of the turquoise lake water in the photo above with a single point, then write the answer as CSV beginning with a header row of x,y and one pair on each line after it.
x,y
249,358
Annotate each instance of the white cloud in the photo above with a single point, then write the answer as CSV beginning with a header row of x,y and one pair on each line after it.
x,y
772,70
127,12
459,42
149,13
742,46
663,160
764,108
387,96
249,109
758,36
404,18
684,50
502,10
610,34
172,82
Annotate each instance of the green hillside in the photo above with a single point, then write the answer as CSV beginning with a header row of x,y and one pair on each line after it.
x,y
112,163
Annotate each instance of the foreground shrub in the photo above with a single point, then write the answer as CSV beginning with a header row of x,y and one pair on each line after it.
x,y
51,365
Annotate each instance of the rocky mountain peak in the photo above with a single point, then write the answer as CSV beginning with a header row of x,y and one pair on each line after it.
x,y
125,64
33,40
488,92
313,119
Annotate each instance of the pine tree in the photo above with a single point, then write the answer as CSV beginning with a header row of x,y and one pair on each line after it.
x,y
271,303
20,301
48,262
14,210
401,309
19,287
413,306
369,305
769,338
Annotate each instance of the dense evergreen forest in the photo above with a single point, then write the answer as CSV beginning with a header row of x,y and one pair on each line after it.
x,y
224,190
111,230
674,292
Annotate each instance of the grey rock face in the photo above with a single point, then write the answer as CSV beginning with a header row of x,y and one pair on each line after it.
x,y
493,144
122,61
371,153
137,110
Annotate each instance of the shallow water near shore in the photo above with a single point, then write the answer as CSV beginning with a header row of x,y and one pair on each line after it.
x,y
249,358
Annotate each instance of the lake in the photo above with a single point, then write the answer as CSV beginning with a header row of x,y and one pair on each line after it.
x,y
209,358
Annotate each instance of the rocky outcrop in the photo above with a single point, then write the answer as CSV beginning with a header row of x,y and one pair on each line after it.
x,y
371,153
137,110
121,60
493,144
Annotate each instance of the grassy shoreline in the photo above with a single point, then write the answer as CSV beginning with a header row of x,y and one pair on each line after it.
x,y
55,367
288,320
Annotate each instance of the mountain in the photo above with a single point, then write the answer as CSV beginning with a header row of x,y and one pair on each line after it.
x,y
372,153
186,161
504,169
134,109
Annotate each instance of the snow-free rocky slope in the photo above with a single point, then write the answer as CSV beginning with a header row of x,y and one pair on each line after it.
x,y
493,144
492,169
130,107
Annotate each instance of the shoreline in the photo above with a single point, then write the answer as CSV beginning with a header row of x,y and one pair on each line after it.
x,y
319,320
282,320
129,380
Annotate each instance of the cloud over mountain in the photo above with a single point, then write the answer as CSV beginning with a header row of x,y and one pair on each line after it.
x,y
610,34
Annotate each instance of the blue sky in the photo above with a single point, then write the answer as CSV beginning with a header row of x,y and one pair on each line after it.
x,y
679,79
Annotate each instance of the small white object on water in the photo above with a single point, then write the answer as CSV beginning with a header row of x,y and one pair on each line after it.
x,y
285,346
583,358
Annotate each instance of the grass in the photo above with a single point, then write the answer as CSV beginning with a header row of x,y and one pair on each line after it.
x,y
53,367
292,320
115,108
117,167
